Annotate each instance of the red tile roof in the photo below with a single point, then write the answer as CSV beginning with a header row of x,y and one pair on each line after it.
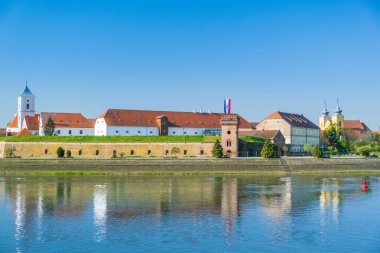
x,y
14,122
24,132
295,120
33,122
356,124
72,120
254,124
145,118
267,134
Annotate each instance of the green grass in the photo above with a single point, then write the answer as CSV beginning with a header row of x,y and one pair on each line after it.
x,y
107,139
252,139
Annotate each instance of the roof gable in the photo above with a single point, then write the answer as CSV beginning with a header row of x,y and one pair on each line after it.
x,y
13,123
72,120
293,119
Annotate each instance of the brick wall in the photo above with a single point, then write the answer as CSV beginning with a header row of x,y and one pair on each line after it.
x,y
106,150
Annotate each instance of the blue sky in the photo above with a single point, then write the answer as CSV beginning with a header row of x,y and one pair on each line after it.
x,y
266,55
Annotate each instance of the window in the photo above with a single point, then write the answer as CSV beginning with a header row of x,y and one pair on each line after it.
x,y
151,132
46,151
69,131
132,152
138,132
196,133
97,152
185,152
228,132
202,152
80,152
27,106
149,152
184,132
59,132
117,132
127,132
81,132
228,143
173,132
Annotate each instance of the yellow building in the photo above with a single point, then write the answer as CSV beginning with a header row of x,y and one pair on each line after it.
x,y
325,120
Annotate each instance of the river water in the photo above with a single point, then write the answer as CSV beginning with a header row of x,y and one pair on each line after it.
x,y
189,214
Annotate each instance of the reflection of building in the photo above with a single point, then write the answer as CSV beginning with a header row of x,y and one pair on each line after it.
x,y
329,198
229,205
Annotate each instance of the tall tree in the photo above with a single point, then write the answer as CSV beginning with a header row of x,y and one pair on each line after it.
x,y
49,129
217,150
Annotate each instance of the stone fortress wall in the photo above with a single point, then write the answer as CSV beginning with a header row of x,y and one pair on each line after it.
x,y
107,150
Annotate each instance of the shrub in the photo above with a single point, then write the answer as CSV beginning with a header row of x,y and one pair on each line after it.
x,y
365,150
317,152
9,152
60,152
175,151
122,154
269,150
114,154
217,150
68,154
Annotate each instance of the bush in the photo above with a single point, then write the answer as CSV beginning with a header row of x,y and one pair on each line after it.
x,y
60,152
217,150
365,150
9,152
269,150
68,154
175,151
317,152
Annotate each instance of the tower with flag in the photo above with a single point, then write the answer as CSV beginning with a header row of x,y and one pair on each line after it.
x,y
227,106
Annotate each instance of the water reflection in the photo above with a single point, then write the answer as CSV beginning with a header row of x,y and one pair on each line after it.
x,y
43,209
100,212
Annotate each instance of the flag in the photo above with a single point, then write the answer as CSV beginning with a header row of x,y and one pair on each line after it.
x,y
227,106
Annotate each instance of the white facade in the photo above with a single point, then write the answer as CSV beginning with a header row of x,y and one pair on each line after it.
x,y
301,136
180,131
26,106
70,131
102,129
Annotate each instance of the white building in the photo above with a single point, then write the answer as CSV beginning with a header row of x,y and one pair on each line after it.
x,y
66,124
296,129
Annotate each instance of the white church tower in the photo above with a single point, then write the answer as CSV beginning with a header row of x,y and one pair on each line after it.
x,y
26,106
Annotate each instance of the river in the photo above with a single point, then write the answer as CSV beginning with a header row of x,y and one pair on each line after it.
x,y
189,214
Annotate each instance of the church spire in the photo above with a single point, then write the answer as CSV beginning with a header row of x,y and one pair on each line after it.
x,y
27,91
325,112
338,111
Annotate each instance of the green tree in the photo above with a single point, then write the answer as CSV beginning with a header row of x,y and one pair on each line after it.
x,y
343,145
307,148
317,151
217,150
365,150
332,135
175,151
68,154
9,152
49,128
269,150
60,152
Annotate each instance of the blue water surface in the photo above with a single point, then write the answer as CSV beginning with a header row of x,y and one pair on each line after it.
x,y
189,214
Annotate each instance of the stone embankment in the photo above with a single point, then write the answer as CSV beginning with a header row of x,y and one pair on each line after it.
x,y
193,165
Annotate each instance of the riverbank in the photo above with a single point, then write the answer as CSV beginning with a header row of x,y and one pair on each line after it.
x,y
155,166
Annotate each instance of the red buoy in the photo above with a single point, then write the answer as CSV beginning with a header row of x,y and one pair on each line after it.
x,y
364,185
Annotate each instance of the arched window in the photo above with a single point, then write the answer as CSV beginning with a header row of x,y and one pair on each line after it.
x,y
228,143
27,106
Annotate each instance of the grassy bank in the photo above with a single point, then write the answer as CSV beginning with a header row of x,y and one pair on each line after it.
x,y
109,139
283,166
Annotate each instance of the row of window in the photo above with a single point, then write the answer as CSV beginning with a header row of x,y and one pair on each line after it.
x,y
70,132
131,152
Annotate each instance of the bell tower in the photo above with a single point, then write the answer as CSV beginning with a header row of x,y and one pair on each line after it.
x,y
324,119
230,135
338,117
26,105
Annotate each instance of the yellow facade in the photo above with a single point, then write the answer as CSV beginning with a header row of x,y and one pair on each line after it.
x,y
107,150
326,121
